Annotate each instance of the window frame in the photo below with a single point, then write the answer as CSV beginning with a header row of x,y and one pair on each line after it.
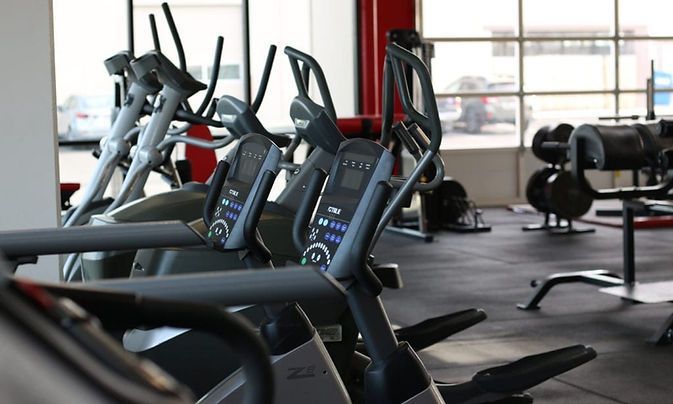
x,y
521,39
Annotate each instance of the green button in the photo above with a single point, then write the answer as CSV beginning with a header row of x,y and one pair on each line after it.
x,y
210,233
303,261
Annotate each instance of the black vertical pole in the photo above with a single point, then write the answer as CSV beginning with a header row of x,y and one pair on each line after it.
x,y
129,19
629,243
247,90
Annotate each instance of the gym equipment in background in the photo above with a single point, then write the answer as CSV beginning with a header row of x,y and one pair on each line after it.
x,y
352,212
413,222
449,208
442,203
612,148
552,190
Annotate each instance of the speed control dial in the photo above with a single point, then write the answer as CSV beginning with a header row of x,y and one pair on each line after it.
x,y
317,254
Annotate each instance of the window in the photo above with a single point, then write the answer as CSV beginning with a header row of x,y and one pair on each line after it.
x,y
503,69
85,91
229,72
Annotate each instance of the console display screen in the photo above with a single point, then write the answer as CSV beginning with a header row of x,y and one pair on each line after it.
x,y
250,159
353,168
351,179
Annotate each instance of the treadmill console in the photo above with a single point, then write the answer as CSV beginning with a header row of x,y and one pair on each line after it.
x,y
254,155
359,166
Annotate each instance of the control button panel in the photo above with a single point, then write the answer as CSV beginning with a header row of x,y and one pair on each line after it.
x,y
225,217
325,236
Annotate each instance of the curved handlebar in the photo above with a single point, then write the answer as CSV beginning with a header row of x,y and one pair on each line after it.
x,y
295,56
215,72
192,141
266,73
121,310
214,191
303,216
429,121
155,34
253,242
186,116
365,238
176,37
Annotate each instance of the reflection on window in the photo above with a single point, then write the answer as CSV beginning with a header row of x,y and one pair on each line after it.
x,y
475,70
550,110
463,117
229,72
634,68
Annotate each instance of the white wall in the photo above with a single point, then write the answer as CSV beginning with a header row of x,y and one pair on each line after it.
x,y
324,29
28,167
333,44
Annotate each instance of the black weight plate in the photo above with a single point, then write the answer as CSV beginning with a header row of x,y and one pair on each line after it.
x,y
565,198
535,188
541,136
561,133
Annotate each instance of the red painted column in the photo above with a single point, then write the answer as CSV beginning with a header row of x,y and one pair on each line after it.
x,y
376,17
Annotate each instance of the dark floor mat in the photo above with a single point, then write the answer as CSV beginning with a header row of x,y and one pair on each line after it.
x,y
493,271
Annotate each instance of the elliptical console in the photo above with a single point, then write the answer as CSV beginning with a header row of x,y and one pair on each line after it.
x,y
358,167
239,186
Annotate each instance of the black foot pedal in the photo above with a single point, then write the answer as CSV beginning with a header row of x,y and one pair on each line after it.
x,y
532,370
389,275
433,330
436,329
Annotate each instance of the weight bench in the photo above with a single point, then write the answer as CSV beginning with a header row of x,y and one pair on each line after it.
x,y
612,148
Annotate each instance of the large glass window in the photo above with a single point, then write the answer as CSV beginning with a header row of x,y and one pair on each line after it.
x,y
85,92
503,69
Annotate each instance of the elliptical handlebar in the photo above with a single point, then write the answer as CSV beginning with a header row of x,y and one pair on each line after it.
x,y
416,142
301,78
264,82
176,36
123,310
365,239
396,57
308,203
253,242
217,182
155,33
215,72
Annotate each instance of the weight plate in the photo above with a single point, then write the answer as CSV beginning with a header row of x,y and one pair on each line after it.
x,y
541,136
561,133
535,188
565,198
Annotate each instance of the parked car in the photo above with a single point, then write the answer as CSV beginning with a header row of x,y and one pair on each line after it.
x,y
83,117
475,112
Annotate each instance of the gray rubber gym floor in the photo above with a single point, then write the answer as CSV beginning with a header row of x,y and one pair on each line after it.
x,y
493,271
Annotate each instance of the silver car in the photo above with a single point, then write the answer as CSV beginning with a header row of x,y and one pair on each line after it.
x,y
473,112
85,117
